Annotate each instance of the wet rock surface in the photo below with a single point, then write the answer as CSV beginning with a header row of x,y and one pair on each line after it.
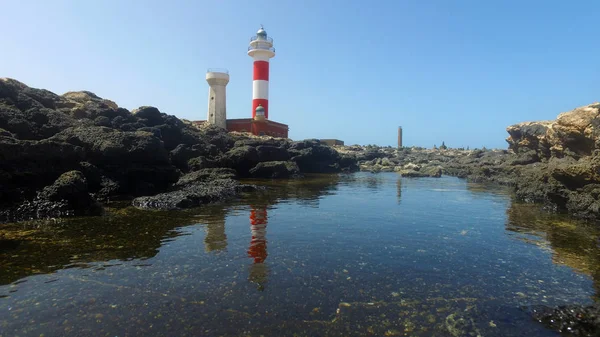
x,y
195,189
569,320
68,195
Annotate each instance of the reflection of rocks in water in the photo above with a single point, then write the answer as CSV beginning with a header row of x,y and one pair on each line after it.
x,y
45,246
7,245
258,245
215,238
487,189
306,192
373,182
573,243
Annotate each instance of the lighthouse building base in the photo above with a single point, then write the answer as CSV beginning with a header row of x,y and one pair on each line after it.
x,y
256,127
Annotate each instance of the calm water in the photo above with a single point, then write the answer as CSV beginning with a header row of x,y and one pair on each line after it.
x,y
363,254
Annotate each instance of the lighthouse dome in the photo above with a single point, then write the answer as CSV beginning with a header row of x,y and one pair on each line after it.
x,y
260,111
261,33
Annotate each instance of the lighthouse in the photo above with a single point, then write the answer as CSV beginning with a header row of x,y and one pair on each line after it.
x,y
217,109
261,50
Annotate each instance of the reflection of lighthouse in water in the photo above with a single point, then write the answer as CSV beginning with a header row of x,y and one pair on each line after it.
x,y
399,189
258,246
215,239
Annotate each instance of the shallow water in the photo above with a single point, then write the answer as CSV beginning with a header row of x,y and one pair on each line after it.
x,y
346,255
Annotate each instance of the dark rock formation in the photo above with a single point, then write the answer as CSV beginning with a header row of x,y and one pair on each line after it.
x,y
275,169
121,154
182,154
106,145
272,153
150,114
563,161
206,175
242,158
200,163
27,165
193,190
68,195
72,188
192,195
312,157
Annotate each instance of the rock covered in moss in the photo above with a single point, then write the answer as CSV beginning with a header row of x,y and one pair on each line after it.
x,y
275,169
195,189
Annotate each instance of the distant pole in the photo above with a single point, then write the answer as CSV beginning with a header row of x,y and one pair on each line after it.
x,y
399,137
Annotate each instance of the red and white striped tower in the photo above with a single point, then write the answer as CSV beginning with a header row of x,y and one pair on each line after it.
x,y
261,50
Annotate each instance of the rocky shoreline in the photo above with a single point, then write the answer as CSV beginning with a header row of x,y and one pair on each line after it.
x,y
65,155
553,163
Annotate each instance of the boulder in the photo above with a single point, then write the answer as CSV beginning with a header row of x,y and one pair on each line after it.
x,y
174,134
412,173
29,165
272,153
312,157
206,175
574,133
348,163
425,171
275,169
412,166
242,159
195,189
191,195
384,162
151,114
72,188
432,171
199,163
87,105
155,131
100,185
183,153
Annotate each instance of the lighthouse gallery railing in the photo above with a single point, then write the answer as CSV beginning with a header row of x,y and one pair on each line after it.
x,y
261,48
256,38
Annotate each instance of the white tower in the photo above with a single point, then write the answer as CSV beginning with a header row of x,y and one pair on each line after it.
x,y
261,50
217,108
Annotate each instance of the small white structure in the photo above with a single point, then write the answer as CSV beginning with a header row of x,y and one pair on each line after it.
x,y
217,108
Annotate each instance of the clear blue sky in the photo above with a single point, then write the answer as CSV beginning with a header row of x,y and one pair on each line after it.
x,y
446,70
